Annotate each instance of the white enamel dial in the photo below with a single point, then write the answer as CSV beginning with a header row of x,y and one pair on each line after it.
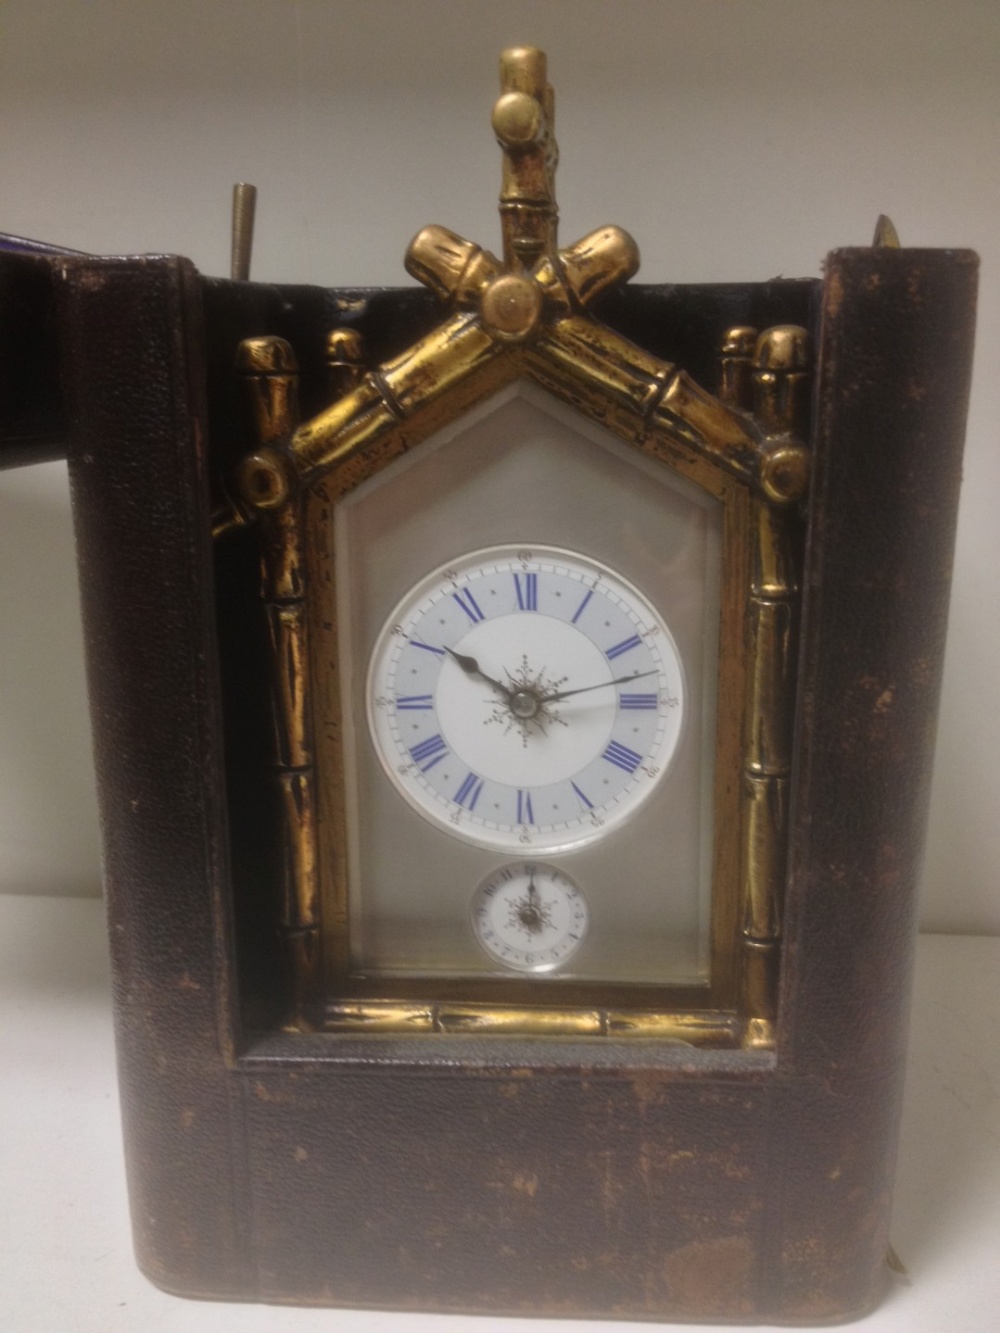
x,y
525,698
529,916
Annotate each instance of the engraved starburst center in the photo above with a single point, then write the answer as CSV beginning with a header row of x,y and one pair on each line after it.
x,y
527,707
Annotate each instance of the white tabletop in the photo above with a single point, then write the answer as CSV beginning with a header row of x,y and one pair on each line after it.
x,y
65,1254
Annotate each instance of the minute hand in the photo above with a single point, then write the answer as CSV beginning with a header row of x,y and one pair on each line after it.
x,y
621,680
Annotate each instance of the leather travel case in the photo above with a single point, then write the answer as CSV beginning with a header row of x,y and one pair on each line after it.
x,y
643,1180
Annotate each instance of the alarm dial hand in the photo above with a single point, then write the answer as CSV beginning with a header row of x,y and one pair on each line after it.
x,y
583,689
471,668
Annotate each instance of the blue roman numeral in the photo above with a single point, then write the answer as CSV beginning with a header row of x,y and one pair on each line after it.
x,y
412,702
468,793
622,756
427,647
637,700
433,749
469,605
625,646
581,608
527,592
525,814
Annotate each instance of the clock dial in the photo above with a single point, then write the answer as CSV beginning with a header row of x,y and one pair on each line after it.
x,y
525,698
529,916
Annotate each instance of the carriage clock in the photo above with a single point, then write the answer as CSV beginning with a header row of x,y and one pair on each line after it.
x,y
513,701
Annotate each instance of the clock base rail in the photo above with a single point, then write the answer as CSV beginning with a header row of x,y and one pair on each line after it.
x,y
699,1028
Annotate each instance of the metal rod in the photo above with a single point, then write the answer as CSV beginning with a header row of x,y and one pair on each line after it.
x,y
244,206
886,234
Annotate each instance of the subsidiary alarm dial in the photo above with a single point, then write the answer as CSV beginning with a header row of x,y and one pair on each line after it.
x,y
525,698
529,916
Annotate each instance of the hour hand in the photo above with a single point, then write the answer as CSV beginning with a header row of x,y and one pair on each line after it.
x,y
472,668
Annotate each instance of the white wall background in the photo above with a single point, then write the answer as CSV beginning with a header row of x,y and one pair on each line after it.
x,y
736,139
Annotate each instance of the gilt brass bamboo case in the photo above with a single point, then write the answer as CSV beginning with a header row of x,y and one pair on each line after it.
x,y
507,649
512,702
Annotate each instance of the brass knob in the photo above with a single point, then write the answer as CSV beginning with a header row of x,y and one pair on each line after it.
x,y
518,120
784,473
512,306
263,480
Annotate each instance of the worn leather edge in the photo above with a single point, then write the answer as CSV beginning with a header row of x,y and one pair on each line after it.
x,y
895,359
137,461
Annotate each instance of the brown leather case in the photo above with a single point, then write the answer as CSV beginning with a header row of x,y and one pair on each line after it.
x,y
530,1176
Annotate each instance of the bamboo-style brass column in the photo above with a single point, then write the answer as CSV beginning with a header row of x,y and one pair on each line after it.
x,y
781,386
523,121
270,373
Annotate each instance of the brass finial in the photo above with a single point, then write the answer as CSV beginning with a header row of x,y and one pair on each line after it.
x,y
736,366
523,123
534,282
785,347
885,233
345,360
